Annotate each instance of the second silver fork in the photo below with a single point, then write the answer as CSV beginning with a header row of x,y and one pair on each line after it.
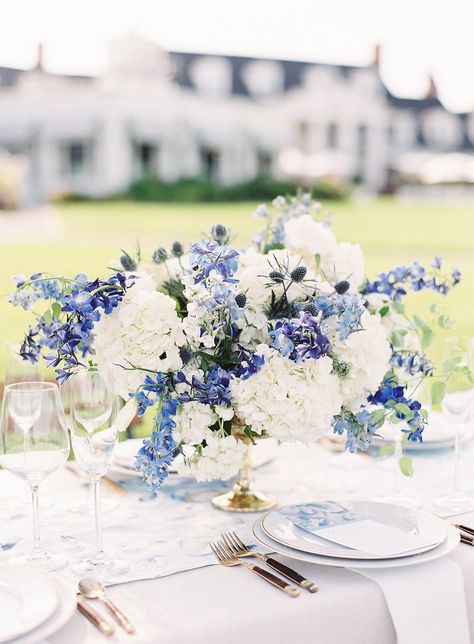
x,y
238,549
225,558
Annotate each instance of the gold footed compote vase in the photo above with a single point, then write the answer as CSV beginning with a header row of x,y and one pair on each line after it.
x,y
243,497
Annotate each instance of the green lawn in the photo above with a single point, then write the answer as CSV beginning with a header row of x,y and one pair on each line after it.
x,y
389,232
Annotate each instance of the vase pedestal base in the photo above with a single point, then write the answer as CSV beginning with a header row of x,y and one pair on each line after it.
x,y
239,500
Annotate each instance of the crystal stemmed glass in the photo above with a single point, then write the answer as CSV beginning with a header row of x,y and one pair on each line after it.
x,y
94,437
458,409
19,370
34,442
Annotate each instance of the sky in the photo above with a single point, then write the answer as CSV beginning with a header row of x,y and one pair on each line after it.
x,y
419,38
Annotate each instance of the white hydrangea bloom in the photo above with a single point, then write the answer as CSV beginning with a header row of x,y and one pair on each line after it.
x,y
310,237
346,263
287,400
220,459
337,261
368,352
193,420
144,331
171,268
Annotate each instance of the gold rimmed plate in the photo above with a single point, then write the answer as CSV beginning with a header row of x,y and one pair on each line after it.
x,y
448,545
282,530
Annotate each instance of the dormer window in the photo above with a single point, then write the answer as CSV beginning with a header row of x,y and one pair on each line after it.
x,y
263,77
212,75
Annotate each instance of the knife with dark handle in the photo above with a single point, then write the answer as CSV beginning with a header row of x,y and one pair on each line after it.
x,y
272,579
289,573
464,528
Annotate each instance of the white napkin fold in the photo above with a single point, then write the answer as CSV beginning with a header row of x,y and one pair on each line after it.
x,y
426,602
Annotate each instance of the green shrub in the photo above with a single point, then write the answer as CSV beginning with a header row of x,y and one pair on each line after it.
x,y
202,190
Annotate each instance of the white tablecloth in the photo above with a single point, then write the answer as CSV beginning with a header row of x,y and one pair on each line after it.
x,y
214,605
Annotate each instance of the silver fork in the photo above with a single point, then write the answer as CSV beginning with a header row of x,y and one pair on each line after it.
x,y
225,558
238,549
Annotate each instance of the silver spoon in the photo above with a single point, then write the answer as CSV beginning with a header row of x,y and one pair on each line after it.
x,y
93,589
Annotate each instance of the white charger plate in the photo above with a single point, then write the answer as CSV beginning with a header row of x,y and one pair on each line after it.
x,y
60,617
284,531
449,544
27,599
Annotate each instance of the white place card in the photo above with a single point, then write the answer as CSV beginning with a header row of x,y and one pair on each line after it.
x,y
373,538
331,521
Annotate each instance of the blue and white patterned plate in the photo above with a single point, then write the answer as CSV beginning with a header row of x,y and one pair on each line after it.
x,y
281,526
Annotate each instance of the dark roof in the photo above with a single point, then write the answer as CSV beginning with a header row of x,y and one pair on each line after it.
x,y
292,76
292,69
9,76
413,104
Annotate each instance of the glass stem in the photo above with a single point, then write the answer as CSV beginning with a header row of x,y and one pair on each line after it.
x,y
35,509
98,516
457,455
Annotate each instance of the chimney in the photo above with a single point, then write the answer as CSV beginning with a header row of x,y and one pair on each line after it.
x,y
377,54
39,58
432,91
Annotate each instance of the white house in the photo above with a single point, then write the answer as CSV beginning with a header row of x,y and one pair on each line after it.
x,y
174,115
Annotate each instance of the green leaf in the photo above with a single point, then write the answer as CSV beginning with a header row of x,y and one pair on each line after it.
x,y
377,415
56,308
444,322
427,337
437,392
399,307
451,364
47,317
404,409
269,247
384,310
406,465
317,260
419,322
386,450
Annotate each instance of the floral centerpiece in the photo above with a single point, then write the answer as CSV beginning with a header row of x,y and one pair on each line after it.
x,y
284,338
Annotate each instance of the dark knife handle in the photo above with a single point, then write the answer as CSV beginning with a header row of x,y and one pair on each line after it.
x,y
291,574
274,580
465,528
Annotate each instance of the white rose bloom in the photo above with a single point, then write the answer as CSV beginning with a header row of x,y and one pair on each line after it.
x,y
143,331
346,263
310,237
368,351
193,420
287,400
220,459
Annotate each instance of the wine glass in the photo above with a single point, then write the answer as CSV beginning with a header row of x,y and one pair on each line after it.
x,y
94,437
458,409
34,442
